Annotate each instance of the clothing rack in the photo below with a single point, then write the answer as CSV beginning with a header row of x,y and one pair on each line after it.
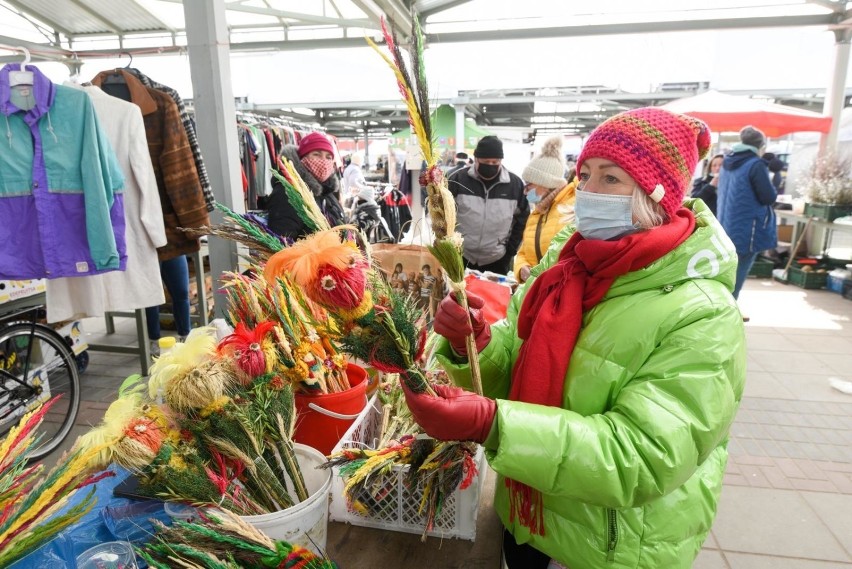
x,y
143,348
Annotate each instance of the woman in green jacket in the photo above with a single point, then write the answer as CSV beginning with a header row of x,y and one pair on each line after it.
x,y
612,384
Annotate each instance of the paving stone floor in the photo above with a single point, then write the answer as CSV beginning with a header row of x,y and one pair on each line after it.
x,y
787,498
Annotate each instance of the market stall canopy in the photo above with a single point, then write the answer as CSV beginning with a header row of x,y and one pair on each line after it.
x,y
444,129
729,113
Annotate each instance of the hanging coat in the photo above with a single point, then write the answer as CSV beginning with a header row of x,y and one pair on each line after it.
x,y
139,285
61,202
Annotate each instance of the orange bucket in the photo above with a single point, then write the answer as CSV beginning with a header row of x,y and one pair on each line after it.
x,y
324,418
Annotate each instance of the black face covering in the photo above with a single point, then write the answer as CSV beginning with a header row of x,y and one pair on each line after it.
x,y
487,171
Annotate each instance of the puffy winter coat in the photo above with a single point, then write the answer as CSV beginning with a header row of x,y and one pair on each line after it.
x,y
744,209
541,228
631,467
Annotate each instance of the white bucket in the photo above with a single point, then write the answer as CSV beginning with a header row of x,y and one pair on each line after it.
x,y
306,523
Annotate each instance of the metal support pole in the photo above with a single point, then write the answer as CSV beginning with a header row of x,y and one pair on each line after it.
x,y
215,118
366,147
460,140
835,94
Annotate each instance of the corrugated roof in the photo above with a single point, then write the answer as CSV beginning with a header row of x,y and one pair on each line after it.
x,y
85,17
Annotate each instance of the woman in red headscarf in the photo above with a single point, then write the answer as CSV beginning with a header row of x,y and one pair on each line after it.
x,y
314,161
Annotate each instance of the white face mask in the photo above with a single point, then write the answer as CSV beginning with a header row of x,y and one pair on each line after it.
x,y
604,216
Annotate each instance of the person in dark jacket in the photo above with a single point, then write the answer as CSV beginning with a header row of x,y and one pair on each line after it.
x,y
314,161
705,188
492,209
776,167
746,195
461,163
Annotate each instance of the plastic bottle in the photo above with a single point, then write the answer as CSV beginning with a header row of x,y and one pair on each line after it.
x,y
166,343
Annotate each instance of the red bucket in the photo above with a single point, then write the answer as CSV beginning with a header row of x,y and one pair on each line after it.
x,y
323,419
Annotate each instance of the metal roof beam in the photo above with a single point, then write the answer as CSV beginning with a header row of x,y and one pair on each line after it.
x,y
38,51
633,28
170,29
837,7
300,16
398,13
437,8
94,14
30,12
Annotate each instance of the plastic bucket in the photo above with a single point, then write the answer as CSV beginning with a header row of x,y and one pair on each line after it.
x,y
306,523
323,419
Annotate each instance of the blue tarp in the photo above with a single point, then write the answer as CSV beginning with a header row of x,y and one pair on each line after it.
x,y
111,519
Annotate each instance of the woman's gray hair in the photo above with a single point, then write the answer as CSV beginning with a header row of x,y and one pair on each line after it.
x,y
647,212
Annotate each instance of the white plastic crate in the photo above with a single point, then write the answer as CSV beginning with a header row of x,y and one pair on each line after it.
x,y
399,510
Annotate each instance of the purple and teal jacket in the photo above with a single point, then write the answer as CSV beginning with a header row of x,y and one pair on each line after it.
x,y
61,203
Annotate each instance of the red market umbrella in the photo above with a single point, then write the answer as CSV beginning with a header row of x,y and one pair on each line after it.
x,y
729,113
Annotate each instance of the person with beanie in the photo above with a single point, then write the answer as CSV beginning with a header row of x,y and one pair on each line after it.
x,y
612,383
746,196
314,162
551,201
492,209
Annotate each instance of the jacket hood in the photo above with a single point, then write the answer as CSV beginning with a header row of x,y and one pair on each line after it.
x,y
736,159
708,253
291,152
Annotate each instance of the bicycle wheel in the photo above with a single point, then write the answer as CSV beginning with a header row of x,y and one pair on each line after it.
x,y
35,365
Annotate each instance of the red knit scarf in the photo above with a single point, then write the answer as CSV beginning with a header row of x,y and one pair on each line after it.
x,y
552,314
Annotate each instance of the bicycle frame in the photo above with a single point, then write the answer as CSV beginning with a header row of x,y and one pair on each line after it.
x,y
6,320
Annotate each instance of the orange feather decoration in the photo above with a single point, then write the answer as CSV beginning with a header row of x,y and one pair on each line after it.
x,y
303,260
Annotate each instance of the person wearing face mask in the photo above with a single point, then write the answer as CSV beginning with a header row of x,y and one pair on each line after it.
x,y
552,205
491,209
706,188
314,162
612,383
746,195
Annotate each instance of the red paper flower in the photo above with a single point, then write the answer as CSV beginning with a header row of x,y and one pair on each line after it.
x,y
244,345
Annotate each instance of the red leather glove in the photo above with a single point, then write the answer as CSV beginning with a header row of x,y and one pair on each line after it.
x,y
451,323
454,415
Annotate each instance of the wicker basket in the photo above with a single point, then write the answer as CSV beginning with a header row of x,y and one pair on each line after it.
x,y
399,510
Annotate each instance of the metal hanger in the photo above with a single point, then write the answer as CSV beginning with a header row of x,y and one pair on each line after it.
x,y
117,77
22,77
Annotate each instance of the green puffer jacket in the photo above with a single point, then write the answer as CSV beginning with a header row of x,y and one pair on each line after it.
x,y
631,467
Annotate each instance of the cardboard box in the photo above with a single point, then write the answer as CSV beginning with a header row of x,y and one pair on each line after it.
x,y
785,233
13,290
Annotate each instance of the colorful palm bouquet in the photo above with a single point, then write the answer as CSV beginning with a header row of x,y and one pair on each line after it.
x,y
222,435
223,541
34,506
448,244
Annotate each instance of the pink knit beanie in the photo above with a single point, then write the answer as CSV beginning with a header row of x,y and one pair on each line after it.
x,y
658,148
315,141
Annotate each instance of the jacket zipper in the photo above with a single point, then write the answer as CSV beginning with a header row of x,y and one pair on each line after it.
x,y
612,534
753,231
538,255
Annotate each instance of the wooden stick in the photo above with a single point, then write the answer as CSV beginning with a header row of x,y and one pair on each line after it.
x,y
472,352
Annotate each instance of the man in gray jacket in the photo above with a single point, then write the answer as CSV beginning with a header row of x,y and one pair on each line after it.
x,y
491,207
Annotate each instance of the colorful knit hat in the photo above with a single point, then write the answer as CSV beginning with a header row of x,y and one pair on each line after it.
x,y
315,141
547,169
658,148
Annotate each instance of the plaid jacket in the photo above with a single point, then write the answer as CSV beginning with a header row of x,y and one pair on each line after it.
x,y
189,126
174,167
